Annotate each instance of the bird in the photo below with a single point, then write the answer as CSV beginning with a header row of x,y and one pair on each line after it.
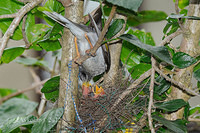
x,y
85,38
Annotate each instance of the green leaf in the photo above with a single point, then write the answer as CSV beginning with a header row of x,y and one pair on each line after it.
x,y
51,88
37,32
178,126
195,109
196,74
132,55
162,87
16,122
183,60
160,52
32,62
10,54
171,105
139,70
144,37
10,7
16,107
114,28
171,27
196,67
5,91
146,16
55,32
43,37
54,5
50,45
30,22
186,111
47,121
129,57
183,3
128,4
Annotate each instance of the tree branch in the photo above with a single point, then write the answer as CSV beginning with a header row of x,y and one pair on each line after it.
x,y
180,85
101,37
16,22
170,37
153,61
8,16
23,90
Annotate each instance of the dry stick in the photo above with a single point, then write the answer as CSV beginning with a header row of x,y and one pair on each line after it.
x,y
43,101
101,37
180,85
126,92
170,37
194,119
8,16
24,32
151,95
15,23
23,90
24,1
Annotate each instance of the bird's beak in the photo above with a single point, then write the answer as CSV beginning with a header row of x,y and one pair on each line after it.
x,y
98,91
86,89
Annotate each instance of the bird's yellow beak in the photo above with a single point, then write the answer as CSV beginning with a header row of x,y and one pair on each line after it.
x,y
98,91
86,89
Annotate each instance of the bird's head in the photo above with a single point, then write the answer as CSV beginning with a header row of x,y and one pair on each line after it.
x,y
97,92
86,89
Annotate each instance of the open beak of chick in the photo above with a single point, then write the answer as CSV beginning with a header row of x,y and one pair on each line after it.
x,y
86,89
92,92
97,92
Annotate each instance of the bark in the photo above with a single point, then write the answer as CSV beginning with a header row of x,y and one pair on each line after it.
x,y
190,46
115,50
69,72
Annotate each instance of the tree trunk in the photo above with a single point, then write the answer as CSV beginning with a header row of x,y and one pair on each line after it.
x,y
69,73
189,45
115,50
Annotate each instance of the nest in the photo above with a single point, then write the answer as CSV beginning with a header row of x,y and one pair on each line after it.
x,y
104,115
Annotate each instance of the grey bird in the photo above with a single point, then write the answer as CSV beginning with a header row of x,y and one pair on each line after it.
x,y
85,38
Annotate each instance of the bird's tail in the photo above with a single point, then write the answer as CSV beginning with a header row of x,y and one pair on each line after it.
x,y
59,18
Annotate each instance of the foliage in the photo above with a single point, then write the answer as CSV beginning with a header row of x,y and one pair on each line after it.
x,y
16,113
51,88
137,49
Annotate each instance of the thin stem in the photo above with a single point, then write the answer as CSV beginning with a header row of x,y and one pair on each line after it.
x,y
8,16
151,95
180,85
23,90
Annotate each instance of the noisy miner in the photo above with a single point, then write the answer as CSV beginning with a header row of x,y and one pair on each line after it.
x,y
85,38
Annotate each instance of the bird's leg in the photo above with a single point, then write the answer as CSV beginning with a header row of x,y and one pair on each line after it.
x,y
76,47
91,46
